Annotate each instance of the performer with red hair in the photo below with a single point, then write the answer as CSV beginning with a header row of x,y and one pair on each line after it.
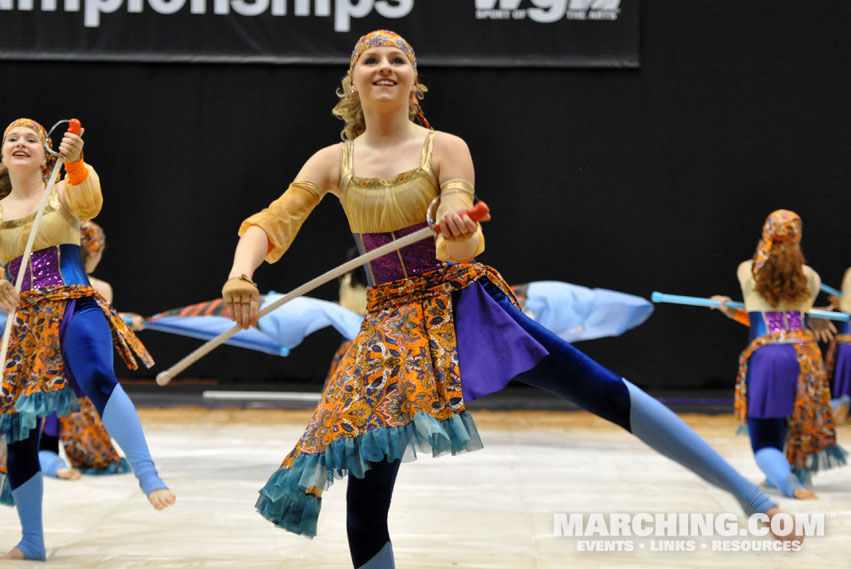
x,y
440,329
782,395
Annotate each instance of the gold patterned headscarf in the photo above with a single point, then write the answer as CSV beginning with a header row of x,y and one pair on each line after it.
x,y
387,38
42,134
780,225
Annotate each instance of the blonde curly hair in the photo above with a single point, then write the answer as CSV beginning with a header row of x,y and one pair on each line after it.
x,y
5,182
349,110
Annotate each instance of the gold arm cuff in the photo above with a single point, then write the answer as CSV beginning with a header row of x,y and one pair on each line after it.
x,y
311,187
457,184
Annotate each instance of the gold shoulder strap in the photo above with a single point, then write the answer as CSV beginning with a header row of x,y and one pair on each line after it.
x,y
425,158
346,161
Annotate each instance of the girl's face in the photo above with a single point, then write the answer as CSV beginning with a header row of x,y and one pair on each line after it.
x,y
383,74
22,147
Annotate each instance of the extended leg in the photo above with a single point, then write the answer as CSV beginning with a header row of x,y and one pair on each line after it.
x,y
367,505
87,348
571,374
768,437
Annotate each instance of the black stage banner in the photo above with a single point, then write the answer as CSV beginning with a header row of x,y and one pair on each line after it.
x,y
551,33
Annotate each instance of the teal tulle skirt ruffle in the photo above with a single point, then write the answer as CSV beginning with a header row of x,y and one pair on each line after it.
x,y
17,426
831,457
120,467
6,498
285,500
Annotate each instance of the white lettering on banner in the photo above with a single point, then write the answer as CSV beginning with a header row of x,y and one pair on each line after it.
x,y
167,6
94,8
547,11
323,7
343,13
503,4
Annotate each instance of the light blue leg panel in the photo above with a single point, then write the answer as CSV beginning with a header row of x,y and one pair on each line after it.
x,y
122,423
28,498
662,430
50,462
382,560
777,470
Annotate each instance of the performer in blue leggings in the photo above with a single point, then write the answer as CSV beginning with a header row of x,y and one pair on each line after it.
x,y
439,331
782,394
63,334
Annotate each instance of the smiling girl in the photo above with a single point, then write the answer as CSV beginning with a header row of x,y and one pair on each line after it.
x,y
62,338
440,329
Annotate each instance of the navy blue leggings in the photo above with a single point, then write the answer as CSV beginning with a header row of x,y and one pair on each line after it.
x,y
22,458
87,349
367,504
569,373
767,433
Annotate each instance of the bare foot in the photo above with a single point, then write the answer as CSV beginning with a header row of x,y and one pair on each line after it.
x,y
68,474
804,494
161,499
795,535
14,553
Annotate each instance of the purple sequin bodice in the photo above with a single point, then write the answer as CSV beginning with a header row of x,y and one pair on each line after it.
x,y
52,266
781,321
414,259
772,322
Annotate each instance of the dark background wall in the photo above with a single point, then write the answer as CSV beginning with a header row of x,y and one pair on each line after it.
x,y
639,180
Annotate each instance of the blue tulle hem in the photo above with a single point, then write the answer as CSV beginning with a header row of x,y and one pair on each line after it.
x,y
831,457
6,498
120,467
17,426
285,501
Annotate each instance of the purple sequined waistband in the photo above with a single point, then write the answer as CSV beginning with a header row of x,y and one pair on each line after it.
x,y
781,321
414,259
52,266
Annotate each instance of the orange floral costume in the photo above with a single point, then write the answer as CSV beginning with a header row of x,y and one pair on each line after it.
x,y
87,445
811,436
397,389
35,383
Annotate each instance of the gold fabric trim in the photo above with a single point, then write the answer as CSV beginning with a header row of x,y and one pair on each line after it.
x,y
346,158
428,150
11,224
347,175
457,184
312,187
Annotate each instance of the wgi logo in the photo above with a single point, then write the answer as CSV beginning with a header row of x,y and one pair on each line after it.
x,y
343,10
547,11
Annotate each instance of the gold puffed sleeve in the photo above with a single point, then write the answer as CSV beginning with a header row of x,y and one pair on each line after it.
x,y
284,216
85,199
455,194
